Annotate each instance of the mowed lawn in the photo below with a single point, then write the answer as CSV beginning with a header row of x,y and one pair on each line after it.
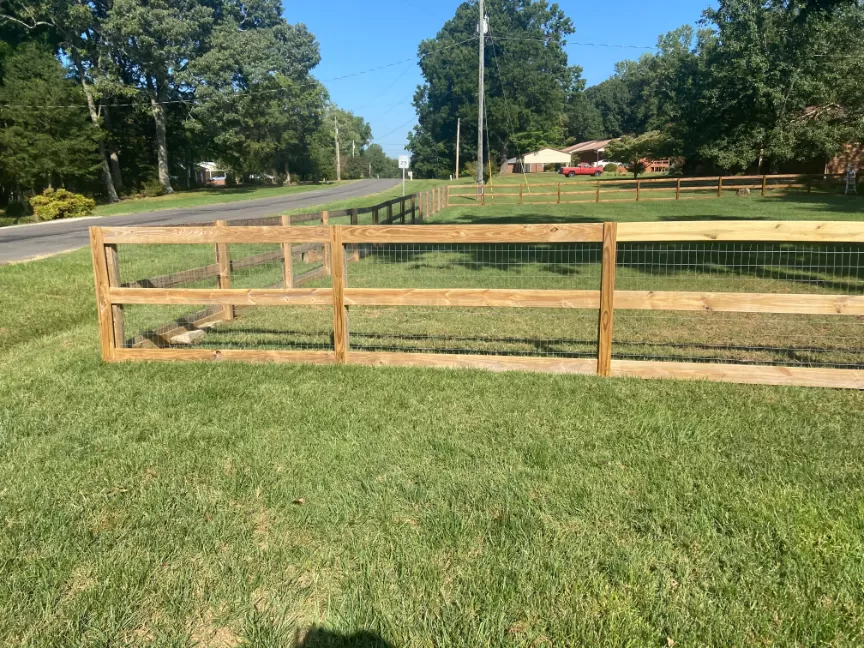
x,y
266,505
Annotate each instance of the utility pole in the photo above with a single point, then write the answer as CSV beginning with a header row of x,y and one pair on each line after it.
x,y
458,132
352,148
481,91
338,161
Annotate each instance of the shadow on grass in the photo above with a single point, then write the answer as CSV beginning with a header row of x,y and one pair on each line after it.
x,y
321,638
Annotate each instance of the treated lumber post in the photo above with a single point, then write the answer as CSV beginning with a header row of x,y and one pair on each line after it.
x,y
719,186
340,319
389,213
103,302
638,189
287,262
374,215
678,189
355,248
223,260
520,194
559,193
402,211
597,199
413,209
447,196
328,252
483,195
764,182
607,298
117,315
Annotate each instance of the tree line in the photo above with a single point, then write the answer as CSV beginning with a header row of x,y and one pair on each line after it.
x,y
758,85
114,97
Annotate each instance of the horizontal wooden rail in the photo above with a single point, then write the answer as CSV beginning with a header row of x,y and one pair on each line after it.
x,y
472,297
235,355
558,233
789,304
229,296
489,363
754,231
215,234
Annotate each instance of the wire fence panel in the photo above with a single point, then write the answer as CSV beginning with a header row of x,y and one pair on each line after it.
x,y
741,338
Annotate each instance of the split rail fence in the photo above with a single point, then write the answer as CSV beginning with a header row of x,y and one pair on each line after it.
x,y
770,256
646,189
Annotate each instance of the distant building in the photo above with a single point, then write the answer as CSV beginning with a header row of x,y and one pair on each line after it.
x,y
209,173
536,162
590,152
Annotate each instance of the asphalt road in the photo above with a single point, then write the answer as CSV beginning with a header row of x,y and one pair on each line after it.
x,y
41,239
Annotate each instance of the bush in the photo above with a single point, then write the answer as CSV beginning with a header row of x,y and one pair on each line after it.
x,y
59,203
18,210
610,168
152,188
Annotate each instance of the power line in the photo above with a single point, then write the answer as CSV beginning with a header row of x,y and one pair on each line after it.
x,y
398,127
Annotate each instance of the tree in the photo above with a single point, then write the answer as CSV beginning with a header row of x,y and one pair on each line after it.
x,y
526,84
635,150
41,144
584,121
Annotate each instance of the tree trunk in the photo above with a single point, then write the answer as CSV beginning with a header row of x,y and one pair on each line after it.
x,y
161,144
113,155
94,117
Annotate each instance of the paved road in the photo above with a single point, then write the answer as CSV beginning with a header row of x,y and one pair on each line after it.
x,y
40,239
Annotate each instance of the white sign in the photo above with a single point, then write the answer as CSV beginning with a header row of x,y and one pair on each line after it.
x,y
404,162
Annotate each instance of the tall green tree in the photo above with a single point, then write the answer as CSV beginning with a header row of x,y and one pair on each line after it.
x,y
527,81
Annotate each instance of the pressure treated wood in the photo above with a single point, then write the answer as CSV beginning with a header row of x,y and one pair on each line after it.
x,y
215,234
287,258
490,363
470,297
310,275
767,231
740,302
176,278
223,260
607,298
236,296
340,316
230,355
747,374
558,233
103,301
117,316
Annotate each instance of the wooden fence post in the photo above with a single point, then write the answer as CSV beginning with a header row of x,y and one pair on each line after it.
x,y
607,298
597,198
328,252
103,302
638,189
355,248
374,215
447,196
678,189
223,260
117,315
288,255
559,193
390,213
719,186
402,210
413,209
764,182
340,319
520,194
483,195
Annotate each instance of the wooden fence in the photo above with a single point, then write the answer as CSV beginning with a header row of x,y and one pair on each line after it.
x,y
648,189
411,209
342,241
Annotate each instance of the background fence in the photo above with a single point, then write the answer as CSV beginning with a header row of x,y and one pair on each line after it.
x,y
574,190
759,302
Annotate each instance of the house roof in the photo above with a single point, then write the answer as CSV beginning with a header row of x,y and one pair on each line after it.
x,y
590,145
543,156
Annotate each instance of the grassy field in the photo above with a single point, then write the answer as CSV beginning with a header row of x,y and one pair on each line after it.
x,y
225,505
182,198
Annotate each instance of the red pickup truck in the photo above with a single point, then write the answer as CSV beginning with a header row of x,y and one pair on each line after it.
x,y
582,169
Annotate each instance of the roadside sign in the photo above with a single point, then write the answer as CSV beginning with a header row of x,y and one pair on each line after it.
x,y
404,162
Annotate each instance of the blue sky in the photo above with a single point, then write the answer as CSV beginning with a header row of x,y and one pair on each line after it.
x,y
356,35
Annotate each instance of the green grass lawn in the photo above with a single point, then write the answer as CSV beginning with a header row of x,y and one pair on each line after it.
x,y
230,504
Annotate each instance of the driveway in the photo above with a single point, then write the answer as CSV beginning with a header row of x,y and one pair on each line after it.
x,y
40,239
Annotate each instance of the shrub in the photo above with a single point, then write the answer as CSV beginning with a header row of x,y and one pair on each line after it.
x,y
610,168
152,188
59,203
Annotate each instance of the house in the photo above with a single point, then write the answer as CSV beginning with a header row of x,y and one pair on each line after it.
x,y
590,152
536,162
209,173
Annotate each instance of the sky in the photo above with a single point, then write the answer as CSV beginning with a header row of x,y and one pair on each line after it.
x,y
359,35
